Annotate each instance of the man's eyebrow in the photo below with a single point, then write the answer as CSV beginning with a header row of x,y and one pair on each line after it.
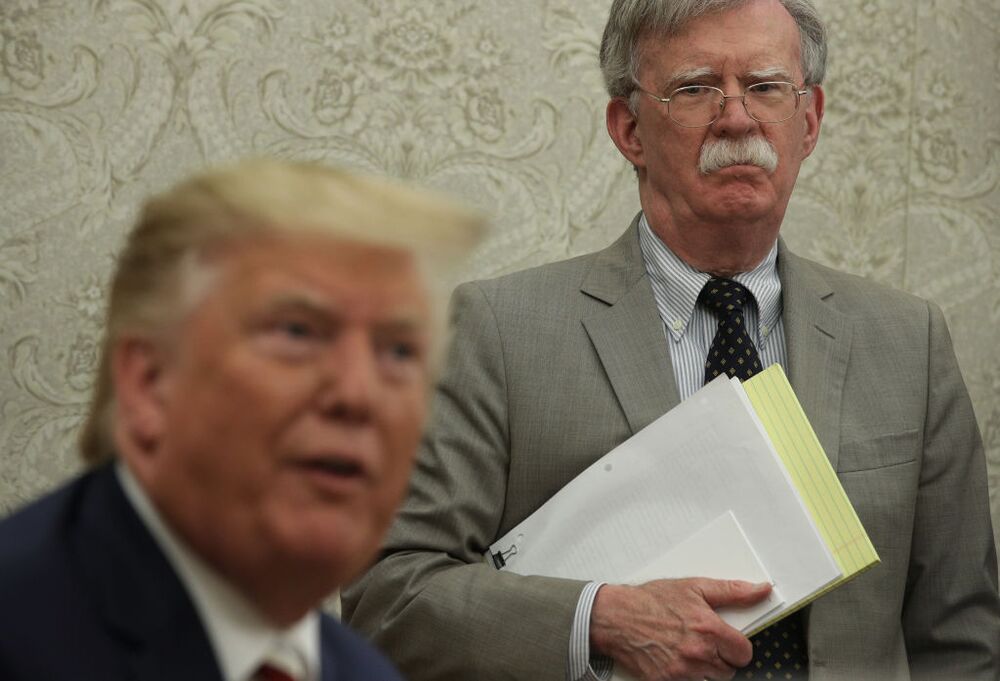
x,y
301,302
688,74
403,322
400,321
770,72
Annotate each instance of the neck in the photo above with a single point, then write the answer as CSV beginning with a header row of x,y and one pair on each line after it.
x,y
285,605
282,590
280,597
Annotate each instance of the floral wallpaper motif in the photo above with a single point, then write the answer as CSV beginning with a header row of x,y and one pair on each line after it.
x,y
105,101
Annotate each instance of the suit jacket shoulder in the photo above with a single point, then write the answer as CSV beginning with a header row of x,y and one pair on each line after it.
x,y
603,275
87,594
854,294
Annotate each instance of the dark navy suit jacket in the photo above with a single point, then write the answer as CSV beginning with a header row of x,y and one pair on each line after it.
x,y
86,593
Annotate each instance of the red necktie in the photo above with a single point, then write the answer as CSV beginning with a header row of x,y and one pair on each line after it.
x,y
268,673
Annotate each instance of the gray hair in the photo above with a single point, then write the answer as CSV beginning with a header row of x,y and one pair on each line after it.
x,y
631,20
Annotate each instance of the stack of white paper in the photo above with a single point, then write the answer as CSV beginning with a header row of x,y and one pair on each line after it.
x,y
700,492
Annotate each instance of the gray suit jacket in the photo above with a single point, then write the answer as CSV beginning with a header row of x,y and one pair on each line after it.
x,y
551,368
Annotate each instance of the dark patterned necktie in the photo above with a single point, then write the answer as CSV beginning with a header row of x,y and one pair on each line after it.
x,y
732,351
779,652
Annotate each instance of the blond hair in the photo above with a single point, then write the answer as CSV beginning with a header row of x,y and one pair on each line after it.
x,y
256,197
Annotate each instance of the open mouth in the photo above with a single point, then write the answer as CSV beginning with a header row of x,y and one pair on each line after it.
x,y
336,466
335,475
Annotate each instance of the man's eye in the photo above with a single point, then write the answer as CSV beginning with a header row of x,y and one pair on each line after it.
x,y
771,90
692,91
297,329
402,351
401,359
291,338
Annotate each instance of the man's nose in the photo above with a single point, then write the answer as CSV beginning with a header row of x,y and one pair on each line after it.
x,y
349,378
734,121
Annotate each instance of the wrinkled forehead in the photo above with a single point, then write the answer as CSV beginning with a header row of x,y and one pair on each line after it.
x,y
753,38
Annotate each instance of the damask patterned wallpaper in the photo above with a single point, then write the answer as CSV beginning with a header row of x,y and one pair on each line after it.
x,y
105,101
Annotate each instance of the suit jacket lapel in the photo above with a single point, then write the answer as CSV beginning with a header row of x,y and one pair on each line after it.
x,y
818,339
628,334
141,599
629,339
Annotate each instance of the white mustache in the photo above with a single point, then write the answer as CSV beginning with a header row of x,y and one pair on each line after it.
x,y
719,154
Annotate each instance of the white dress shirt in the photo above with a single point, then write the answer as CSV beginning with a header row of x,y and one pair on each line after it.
x,y
240,636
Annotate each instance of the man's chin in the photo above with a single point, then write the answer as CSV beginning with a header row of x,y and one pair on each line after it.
x,y
733,192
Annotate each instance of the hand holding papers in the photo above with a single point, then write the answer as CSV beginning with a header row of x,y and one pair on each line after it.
x,y
731,483
720,550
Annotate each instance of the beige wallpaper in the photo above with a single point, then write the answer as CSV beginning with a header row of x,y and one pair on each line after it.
x,y
104,101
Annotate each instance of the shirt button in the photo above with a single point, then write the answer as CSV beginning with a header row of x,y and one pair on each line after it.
x,y
764,330
678,325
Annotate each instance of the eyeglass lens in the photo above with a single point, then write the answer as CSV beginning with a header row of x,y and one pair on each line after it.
x,y
698,105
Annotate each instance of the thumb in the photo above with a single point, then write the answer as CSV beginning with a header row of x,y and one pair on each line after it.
x,y
720,592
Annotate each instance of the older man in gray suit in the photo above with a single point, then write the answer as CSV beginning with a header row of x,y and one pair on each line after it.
x,y
716,103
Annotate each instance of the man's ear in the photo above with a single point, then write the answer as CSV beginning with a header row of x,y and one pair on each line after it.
x,y
622,129
814,103
138,371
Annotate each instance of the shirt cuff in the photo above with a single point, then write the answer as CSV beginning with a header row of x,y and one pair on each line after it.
x,y
582,666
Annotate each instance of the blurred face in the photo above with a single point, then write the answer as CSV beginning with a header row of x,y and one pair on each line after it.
x,y
730,50
280,425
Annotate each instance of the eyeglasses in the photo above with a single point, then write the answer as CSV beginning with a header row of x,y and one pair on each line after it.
x,y
695,106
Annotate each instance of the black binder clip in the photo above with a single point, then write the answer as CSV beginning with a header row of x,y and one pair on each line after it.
x,y
500,557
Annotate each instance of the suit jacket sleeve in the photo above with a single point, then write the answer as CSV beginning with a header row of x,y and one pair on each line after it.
x,y
431,602
951,612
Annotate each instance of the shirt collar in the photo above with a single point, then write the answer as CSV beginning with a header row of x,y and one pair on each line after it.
x,y
676,285
239,634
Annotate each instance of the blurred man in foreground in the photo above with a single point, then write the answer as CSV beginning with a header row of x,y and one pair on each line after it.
x,y
262,389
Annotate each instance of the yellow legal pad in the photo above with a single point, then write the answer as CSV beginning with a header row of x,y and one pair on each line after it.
x,y
779,410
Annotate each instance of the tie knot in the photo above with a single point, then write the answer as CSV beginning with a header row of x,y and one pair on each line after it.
x,y
724,295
